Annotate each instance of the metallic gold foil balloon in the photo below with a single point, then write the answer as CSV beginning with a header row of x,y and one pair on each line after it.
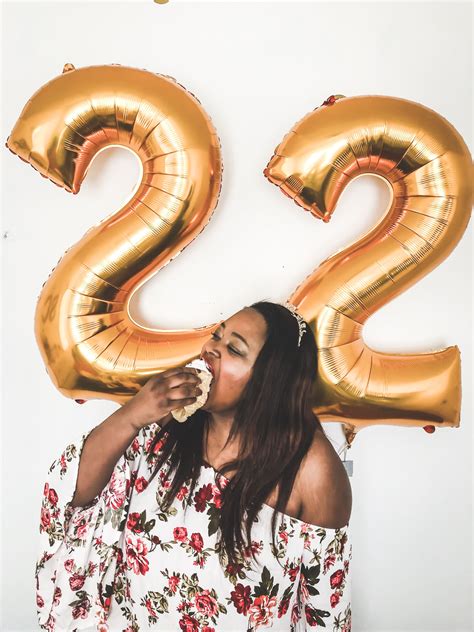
x,y
90,344
428,168
88,340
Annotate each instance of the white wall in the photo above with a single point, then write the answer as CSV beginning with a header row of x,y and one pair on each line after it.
x,y
257,68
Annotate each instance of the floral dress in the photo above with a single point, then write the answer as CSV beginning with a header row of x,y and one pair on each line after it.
x,y
121,564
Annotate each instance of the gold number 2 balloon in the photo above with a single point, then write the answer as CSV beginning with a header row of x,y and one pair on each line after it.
x,y
90,344
88,340
427,166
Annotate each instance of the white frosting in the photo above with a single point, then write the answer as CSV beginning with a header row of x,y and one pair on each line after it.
x,y
197,363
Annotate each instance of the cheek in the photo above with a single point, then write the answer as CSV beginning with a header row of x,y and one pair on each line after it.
x,y
232,380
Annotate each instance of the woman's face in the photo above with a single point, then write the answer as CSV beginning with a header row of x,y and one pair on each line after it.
x,y
231,352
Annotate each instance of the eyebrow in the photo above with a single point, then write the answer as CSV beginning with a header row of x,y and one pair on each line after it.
x,y
234,333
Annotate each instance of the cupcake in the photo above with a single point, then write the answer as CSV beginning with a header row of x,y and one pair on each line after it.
x,y
181,414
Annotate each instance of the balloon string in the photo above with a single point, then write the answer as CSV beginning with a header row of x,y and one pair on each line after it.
x,y
344,447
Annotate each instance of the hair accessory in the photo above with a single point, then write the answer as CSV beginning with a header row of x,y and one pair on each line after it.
x,y
299,318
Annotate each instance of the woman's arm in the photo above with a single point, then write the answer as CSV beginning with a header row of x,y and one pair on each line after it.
x,y
324,486
102,449
106,443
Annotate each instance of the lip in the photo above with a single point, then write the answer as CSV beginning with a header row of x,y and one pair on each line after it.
x,y
209,366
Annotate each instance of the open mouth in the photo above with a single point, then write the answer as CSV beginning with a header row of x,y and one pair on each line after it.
x,y
209,367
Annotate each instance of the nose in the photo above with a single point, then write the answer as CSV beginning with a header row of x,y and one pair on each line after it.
x,y
211,348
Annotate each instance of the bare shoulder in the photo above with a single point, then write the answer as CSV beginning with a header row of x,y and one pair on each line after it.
x,y
324,486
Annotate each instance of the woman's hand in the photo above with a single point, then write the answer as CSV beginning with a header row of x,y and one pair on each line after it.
x,y
163,393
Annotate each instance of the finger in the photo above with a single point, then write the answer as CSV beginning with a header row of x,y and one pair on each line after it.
x,y
179,369
182,378
179,403
184,390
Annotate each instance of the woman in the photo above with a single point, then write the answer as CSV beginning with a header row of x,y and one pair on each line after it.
x,y
130,536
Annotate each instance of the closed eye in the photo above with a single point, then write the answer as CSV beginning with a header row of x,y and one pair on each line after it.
x,y
231,349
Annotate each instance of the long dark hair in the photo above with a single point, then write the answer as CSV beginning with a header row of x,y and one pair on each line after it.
x,y
275,424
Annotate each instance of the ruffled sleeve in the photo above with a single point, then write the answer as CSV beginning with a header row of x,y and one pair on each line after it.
x,y
324,591
79,547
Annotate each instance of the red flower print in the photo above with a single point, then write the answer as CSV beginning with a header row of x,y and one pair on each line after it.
x,y
133,522
206,603
254,547
303,588
293,573
116,492
347,627
334,599
188,624
136,555
39,601
135,445
260,612
329,561
241,598
311,616
82,528
159,444
217,497
283,607
180,534
52,496
45,519
46,489
81,610
202,496
76,581
295,613
196,541
233,569
141,484
182,493
336,578
57,596
69,565
284,536
155,539
106,602
206,628
150,608
173,583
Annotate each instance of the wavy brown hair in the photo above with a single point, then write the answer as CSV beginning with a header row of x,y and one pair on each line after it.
x,y
275,424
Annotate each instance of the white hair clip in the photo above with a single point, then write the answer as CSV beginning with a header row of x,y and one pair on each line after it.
x,y
299,318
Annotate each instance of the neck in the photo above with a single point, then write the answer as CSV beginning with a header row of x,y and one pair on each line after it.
x,y
218,431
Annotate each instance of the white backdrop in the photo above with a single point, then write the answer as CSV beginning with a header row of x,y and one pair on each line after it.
x,y
257,68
